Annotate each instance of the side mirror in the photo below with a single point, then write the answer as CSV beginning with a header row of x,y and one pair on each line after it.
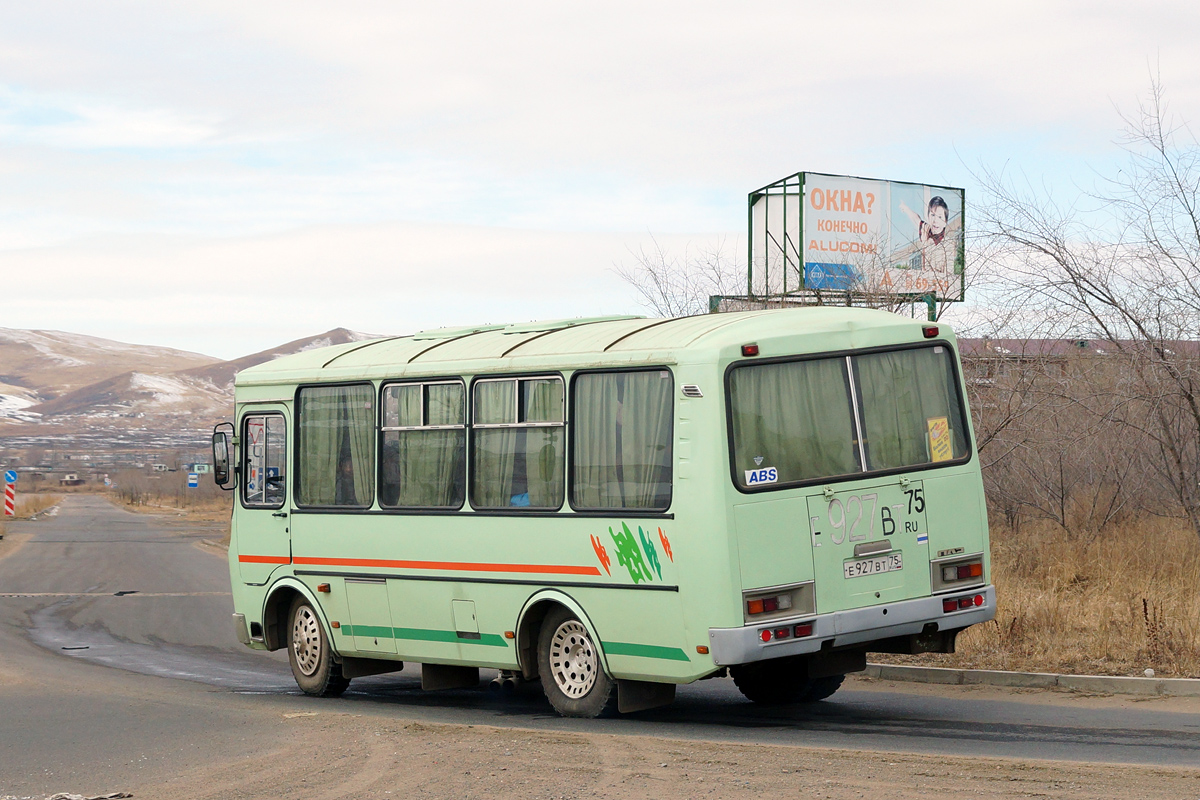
x,y
222,447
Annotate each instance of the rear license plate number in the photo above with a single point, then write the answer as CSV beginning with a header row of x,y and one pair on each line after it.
x,y
873,566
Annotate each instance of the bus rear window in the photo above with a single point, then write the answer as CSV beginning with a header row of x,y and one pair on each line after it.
x,y
792,422
911,412
799,421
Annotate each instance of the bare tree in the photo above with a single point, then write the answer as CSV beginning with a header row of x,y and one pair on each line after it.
x,y
1127,272
680,286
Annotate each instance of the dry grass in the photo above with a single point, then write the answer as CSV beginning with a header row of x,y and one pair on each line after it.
x,y
30,504
1110,603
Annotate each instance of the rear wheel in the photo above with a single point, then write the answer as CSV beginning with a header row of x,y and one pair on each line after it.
x,y
570,669
777,682
310,654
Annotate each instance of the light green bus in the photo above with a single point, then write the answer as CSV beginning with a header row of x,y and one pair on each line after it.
x,y
612,506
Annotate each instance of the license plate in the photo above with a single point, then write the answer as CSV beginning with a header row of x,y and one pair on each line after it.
x,y
873,566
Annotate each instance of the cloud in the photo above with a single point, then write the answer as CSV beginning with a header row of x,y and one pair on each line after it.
x,y
236,296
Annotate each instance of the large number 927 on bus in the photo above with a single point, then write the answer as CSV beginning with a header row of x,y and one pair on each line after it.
x,y
613,506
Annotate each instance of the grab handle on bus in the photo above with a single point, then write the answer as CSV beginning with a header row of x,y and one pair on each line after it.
x,y
279,514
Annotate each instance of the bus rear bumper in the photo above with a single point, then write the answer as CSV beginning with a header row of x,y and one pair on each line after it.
x,y
842,628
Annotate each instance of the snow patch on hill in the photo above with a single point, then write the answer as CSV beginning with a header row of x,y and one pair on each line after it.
x,y
13,407
164,388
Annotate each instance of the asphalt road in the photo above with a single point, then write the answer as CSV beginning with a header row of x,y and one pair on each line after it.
x,y
117,656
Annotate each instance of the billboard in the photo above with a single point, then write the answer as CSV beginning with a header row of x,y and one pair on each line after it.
x,y
858,236
882,236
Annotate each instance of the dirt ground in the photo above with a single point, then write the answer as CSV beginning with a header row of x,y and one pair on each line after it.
x,y
336,755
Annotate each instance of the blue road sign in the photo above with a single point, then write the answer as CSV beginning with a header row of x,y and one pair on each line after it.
x,y
10,476
193,480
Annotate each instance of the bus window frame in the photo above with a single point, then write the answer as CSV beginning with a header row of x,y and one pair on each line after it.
x,y
856,408
515,511
334,509
381,429
244,459
570,448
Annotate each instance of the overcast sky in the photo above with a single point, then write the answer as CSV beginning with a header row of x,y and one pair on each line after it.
x,y
226,176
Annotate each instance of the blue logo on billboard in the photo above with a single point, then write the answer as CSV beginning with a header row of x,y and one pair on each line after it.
x,y
821,275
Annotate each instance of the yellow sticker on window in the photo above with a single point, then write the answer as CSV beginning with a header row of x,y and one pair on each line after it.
x,y
940,448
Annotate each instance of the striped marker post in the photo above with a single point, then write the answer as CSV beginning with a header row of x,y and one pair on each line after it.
x,y
10,493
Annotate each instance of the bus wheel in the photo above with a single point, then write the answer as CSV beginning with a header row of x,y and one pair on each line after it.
x,y
310,655
570,669
820,688
777,682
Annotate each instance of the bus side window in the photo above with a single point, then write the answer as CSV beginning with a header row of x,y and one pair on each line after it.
x,y
621,440
336,446
423,445
517,442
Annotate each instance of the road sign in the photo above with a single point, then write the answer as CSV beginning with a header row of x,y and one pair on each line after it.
x,y
193,480
10,476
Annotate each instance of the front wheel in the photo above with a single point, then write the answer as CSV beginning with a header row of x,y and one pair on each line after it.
x,y
570,669
310,654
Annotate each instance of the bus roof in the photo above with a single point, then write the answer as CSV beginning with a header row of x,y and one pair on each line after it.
x,y
587,342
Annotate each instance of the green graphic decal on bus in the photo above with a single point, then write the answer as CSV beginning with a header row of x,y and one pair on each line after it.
x,y
631,557
423,635
644,651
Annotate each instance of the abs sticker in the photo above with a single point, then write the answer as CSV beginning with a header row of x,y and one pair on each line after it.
x,y
757,477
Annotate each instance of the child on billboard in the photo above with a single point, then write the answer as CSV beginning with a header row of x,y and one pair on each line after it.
x,y
938,247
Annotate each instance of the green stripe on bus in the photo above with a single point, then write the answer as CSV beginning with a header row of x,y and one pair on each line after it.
x,y
644,650
422,634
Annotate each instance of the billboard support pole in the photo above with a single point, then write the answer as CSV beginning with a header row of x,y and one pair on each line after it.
x,y
930,307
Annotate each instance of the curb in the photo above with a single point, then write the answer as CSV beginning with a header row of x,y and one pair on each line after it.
x,y
1108,684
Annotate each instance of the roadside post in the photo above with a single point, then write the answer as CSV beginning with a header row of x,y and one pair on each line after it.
x,y
10,493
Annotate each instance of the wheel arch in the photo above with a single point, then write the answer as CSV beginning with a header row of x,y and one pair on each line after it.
x,y
278,603
529,626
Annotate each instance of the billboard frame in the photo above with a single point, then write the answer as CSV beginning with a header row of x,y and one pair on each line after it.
x,y
793,189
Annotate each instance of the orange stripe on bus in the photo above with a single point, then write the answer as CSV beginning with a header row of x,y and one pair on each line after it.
x,y
264,559
462,566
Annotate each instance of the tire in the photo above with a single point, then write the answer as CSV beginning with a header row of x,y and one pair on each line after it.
x,y
310,653
820,688
570,669
778,682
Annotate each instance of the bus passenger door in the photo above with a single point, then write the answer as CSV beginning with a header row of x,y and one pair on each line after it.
x,y
263,538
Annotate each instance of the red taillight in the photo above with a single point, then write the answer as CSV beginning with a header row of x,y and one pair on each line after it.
x,y
930,331
804,629
765,635
770,604
949,605
783,633
978,599
749,350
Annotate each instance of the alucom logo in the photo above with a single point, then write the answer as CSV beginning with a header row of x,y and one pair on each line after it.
x,y
757,477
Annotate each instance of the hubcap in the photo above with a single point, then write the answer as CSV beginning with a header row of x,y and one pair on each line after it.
x,y
306,640
573,659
